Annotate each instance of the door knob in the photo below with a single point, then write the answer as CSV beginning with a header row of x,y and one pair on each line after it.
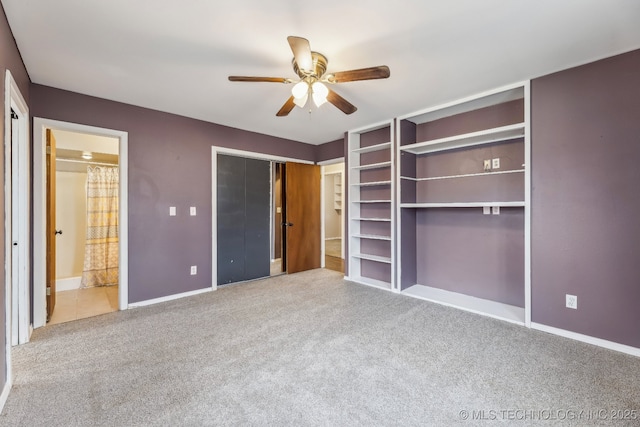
x,y
58,231
287,224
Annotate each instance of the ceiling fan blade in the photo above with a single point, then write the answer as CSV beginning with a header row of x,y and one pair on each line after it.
x,y
342,104
259,79
301,52
286,108
371,73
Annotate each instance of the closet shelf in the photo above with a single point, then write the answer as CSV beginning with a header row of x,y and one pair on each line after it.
x,y
369,149
376,258
372,219
371,184
372,237
372,166
371,201
487,136
466,175
462,205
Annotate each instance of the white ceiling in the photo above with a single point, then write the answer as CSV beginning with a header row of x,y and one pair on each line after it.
x,y
175,56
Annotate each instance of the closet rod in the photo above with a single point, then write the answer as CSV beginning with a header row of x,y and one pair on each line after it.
x,y
86,162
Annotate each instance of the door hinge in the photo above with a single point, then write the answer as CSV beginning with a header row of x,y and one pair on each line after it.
x,y
48,291
48,149
14,116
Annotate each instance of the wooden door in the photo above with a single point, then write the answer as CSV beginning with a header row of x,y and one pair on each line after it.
x,y
51,223
302,230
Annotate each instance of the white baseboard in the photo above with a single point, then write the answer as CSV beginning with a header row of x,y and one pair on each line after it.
x,y
5,394
168,298
622,348
68,283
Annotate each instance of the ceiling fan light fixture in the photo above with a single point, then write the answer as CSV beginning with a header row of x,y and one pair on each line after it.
x,y
300,102
300,90
319,93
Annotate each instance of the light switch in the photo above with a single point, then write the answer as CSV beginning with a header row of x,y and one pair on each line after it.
x,y
495,210
192,211
486,210
495,163
487,165
172,211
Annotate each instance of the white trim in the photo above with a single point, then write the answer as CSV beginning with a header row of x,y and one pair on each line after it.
x,y
68,284
39,210
5,393
622,348
322,217
169,298
331,162
259,156
527,203
17,310
214,218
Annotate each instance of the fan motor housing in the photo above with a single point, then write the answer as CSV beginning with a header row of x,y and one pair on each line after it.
x,y
319,66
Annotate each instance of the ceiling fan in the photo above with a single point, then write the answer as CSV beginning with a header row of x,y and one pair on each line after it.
x,y
311,67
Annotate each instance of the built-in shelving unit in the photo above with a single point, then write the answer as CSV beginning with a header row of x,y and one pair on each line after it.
x,y
337,191
371,173
463,204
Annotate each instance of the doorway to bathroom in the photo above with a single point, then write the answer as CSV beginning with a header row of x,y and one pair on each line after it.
x,y
80,221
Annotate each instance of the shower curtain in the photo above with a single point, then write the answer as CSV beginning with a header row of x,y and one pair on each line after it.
x,y
101,247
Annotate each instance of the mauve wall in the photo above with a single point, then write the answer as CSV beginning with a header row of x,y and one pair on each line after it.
x,y
169,165
9,60
330,150
585,200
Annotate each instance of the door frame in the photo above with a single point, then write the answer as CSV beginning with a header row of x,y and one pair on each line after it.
x,y
13,99
39,211
323,202
214,195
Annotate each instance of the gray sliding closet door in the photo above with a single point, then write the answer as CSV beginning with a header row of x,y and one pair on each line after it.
x,y
243,204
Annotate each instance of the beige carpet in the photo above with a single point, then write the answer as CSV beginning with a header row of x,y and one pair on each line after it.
x,y
309,349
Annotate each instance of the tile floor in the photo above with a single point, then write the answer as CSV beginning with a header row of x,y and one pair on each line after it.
x,y
86,302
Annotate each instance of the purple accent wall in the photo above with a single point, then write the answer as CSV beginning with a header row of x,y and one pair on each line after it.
x,y
462,250
330,150
585,199
169,165
11,60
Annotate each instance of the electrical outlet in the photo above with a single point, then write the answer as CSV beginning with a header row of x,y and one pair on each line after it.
x,y
192,211
495,210
572,301
486,210
487,165
495,163
172,211
194,270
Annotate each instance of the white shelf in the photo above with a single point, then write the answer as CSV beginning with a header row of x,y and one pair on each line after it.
x,y
372,219
371,201
375,258
476,305
373,166
369,282
462,205
371,237
474,102
371,184
466,175
377,147
486,136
